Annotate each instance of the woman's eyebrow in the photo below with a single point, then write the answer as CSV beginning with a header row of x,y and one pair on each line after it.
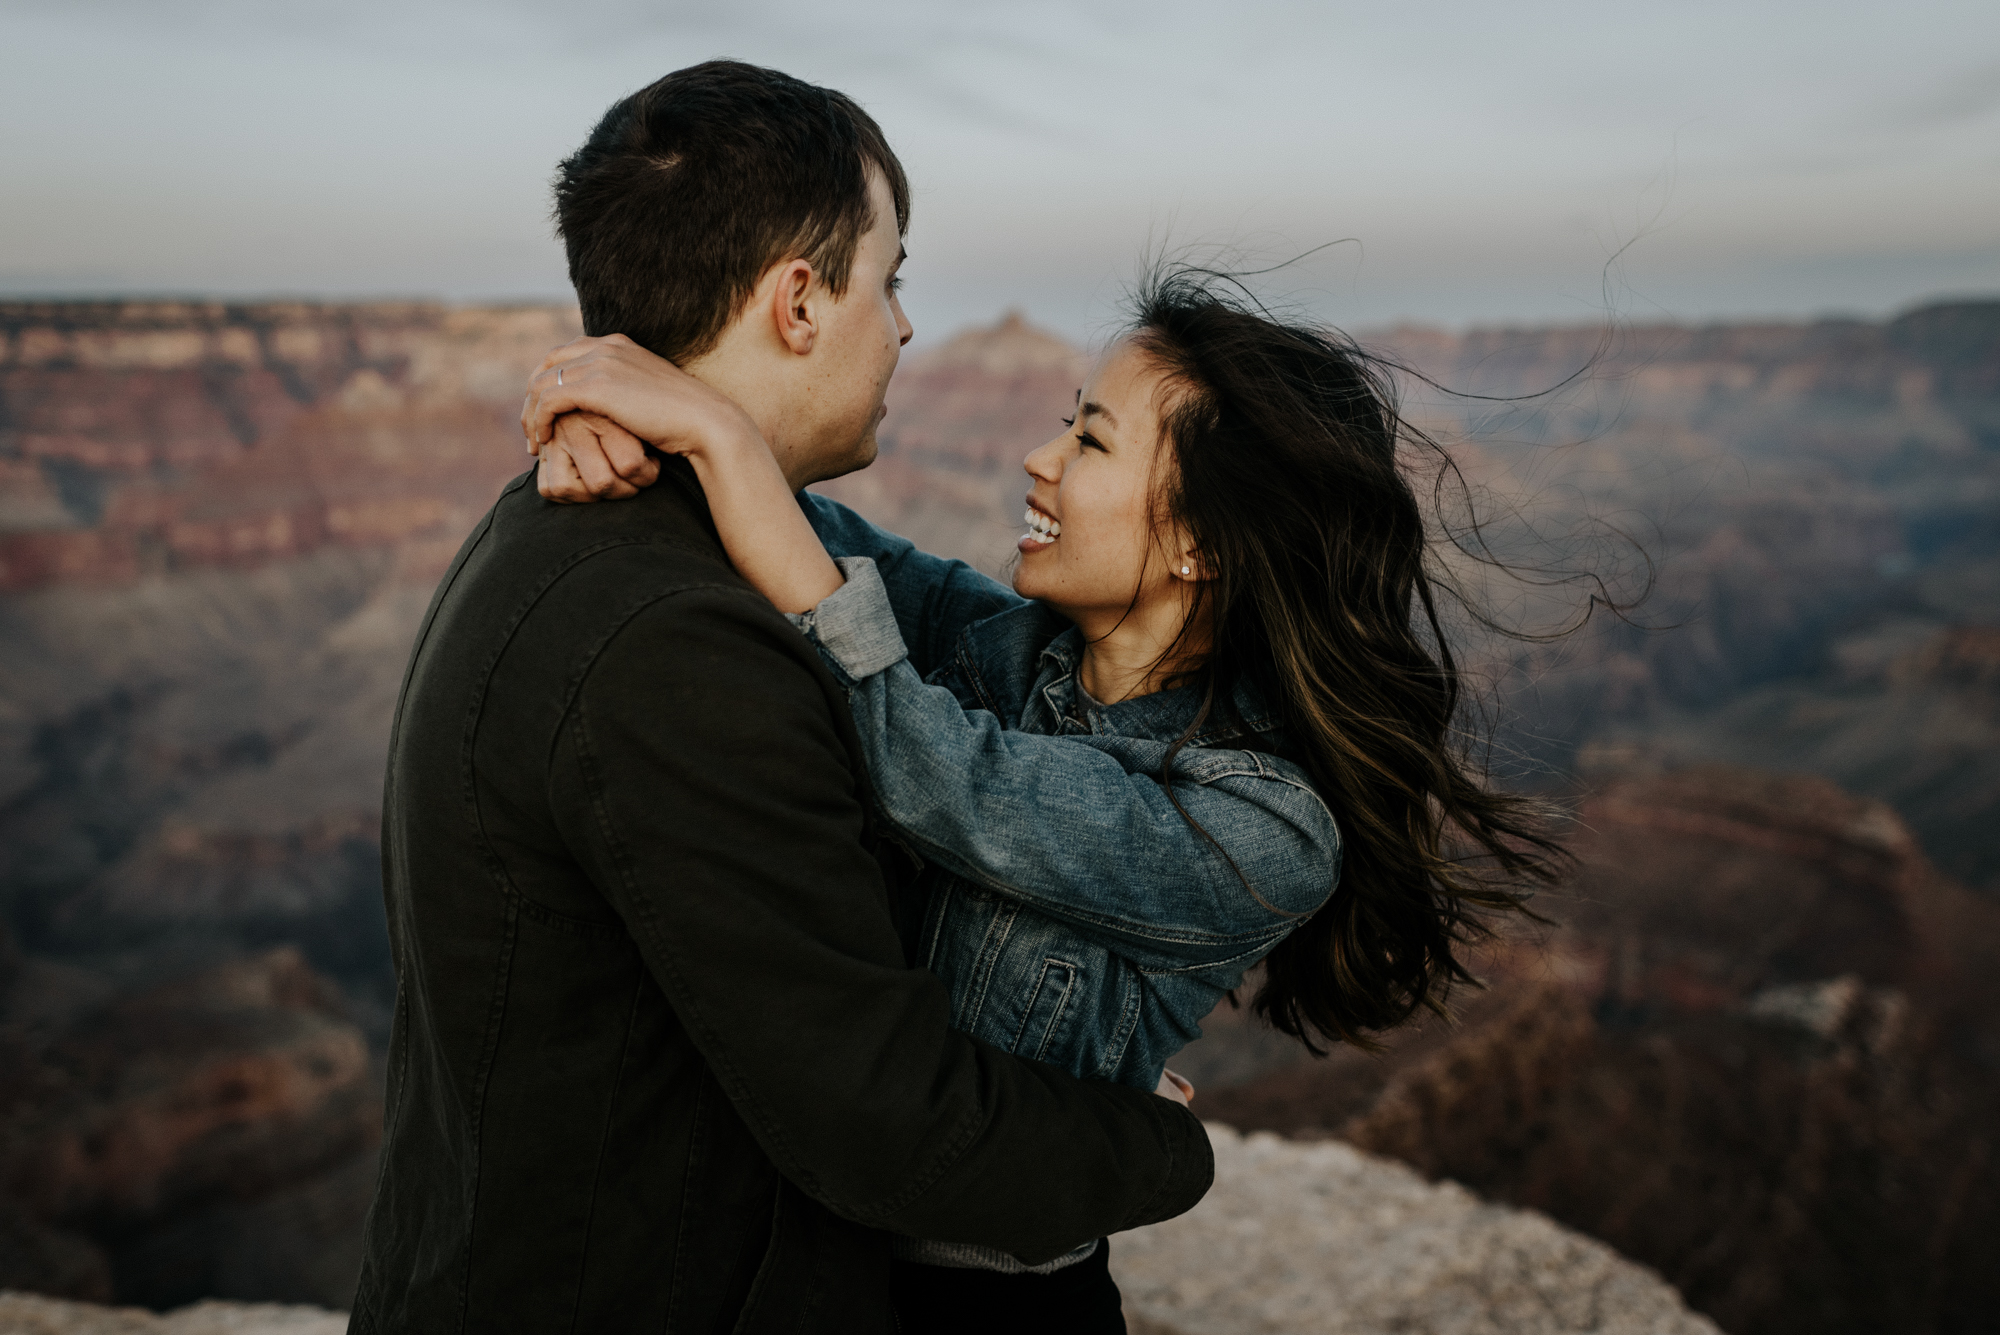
x,y
1100,410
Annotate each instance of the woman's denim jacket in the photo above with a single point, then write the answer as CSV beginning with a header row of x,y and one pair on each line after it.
x,y
1075,915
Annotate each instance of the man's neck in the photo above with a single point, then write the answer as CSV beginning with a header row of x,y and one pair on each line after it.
x,y
767,406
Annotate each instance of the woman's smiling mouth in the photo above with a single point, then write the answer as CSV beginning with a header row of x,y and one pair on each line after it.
x,y
1042,532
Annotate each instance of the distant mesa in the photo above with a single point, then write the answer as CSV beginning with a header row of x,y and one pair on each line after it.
x,y
1010,348
148,438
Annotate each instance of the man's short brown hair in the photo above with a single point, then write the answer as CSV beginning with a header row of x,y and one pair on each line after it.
x,y
691,188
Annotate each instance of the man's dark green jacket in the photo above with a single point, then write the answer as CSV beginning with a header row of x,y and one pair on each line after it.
x,y
658,1063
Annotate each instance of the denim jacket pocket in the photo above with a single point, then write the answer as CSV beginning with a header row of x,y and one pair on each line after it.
x,y
1048,1007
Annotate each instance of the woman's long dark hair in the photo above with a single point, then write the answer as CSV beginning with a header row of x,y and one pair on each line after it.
x,y
1287,465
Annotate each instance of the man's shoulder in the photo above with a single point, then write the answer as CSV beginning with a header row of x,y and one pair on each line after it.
x,y
594,561
540,591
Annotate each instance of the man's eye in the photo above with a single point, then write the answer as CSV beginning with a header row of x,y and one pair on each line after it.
x,y
896,284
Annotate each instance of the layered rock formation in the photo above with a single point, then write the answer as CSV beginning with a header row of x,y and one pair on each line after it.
x,y
1816,500
221,525
218,528
154,438
1755,1050
212,1133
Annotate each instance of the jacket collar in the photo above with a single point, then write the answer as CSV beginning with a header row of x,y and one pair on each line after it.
x,y
1042,697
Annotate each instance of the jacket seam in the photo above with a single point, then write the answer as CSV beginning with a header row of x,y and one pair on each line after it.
x,y
496,1015
933,928
504,641
973,678
724,1069
604,1141
1017,897
394,1116
696,1145
437,602
1021,1035
990,950
1128,1025
496,867
1247,957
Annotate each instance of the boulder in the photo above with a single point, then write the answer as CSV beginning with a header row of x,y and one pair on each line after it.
x,y
32,1314
1326,1239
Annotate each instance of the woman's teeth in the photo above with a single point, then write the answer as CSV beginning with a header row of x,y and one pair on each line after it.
x,y
1042,528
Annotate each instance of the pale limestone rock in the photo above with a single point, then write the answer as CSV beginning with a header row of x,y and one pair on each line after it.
x,y
1320,1237
31,1314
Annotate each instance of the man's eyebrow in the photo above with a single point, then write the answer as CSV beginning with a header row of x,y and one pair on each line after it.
x,y
1087,409
902,253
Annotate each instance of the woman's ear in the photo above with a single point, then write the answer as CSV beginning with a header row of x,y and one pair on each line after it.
x,y
792,307
1191,566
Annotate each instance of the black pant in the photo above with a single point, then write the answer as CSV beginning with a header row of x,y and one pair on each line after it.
x,y
941,1300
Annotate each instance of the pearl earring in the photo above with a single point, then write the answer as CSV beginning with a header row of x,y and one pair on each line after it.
x,y
1184,570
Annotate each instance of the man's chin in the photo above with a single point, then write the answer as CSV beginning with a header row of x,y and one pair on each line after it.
x,y
852,460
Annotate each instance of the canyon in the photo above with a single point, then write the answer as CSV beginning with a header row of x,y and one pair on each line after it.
x,y
1752,1048
219,526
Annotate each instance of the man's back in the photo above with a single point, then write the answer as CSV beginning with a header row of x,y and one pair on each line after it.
x,y
653,1019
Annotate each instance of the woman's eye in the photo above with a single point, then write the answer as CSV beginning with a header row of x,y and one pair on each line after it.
x,y
1089,442
1069,421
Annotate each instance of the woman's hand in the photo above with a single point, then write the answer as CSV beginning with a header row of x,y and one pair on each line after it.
x,y
1175,1087
600,401
614,399
592,458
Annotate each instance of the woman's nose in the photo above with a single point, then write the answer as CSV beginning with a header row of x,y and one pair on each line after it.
x,y
1045,463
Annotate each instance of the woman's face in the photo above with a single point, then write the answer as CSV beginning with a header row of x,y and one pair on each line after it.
x,y
1090,543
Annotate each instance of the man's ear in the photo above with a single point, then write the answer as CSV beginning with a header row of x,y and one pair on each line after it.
x,y
792,306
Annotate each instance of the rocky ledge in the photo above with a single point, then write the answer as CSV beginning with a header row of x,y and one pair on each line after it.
x,y
1323,1238
28,1314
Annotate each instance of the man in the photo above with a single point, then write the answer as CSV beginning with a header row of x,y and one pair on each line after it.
x,y
658,1063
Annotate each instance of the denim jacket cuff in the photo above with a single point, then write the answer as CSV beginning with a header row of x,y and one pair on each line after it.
x,y
854,626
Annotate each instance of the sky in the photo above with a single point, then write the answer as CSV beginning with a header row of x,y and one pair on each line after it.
x,y
1470,162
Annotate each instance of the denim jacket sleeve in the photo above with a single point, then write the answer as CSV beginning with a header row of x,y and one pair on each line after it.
x,y
1080,826
933,598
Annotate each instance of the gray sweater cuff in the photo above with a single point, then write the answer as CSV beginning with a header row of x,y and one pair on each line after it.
x,y
854,626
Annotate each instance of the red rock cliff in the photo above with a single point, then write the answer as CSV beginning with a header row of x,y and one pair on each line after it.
x,y
148,438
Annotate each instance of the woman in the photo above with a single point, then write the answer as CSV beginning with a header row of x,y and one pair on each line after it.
x,y
1218,686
